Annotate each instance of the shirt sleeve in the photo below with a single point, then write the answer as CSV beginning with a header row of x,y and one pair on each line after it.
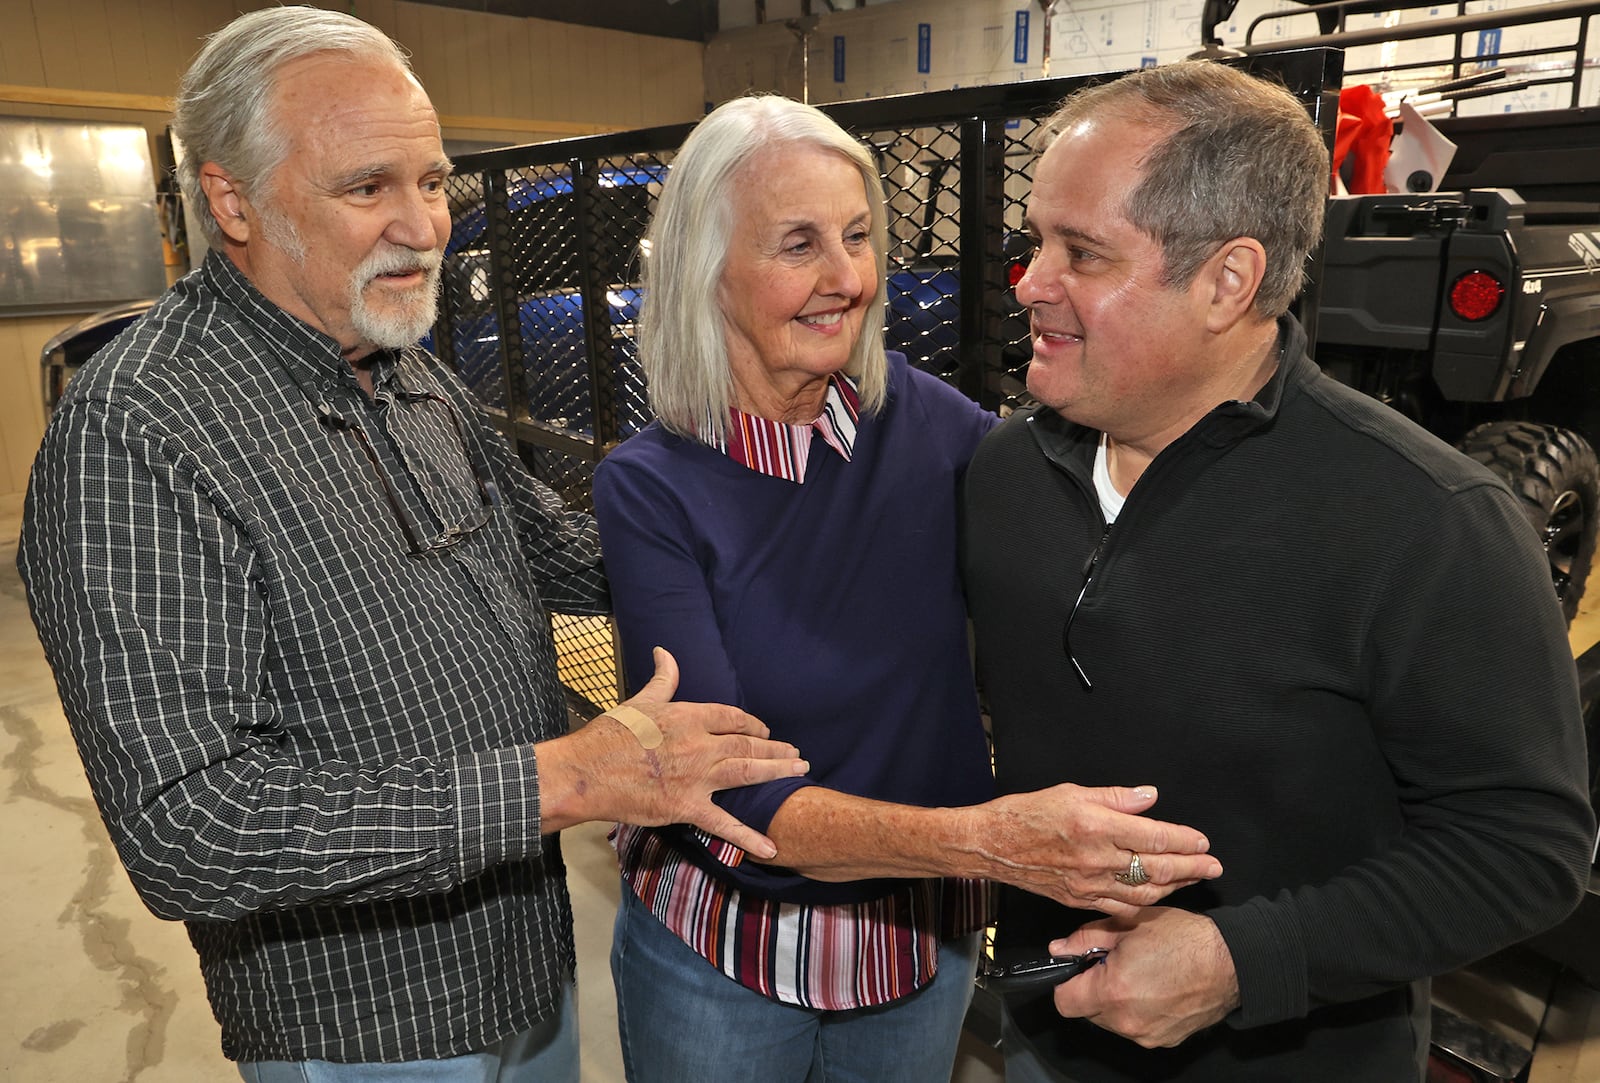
x,y
1475,703
561,546
149,603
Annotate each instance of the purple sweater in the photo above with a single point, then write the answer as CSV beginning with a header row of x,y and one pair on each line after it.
x,y
830,610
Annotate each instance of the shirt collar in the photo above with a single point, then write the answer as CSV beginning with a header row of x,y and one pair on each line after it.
x,y
781,450
312,354
1228,423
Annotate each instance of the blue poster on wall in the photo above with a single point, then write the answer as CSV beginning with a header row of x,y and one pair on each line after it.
x,y
924,48
1489,48
838,58
1019,50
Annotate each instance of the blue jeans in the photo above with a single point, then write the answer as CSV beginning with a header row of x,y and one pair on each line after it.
x,y
681,1019
548,1053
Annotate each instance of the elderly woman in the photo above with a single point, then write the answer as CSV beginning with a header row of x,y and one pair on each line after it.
x,y
787,528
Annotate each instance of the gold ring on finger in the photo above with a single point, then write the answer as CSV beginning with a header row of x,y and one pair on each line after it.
x,y
1135,874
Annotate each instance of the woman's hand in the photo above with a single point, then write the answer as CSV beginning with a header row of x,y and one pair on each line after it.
x,y
1070,843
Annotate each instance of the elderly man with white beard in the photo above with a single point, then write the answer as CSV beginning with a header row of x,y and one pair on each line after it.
x,y
294,588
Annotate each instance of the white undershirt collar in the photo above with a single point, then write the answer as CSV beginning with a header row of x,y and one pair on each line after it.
x,y
1110,500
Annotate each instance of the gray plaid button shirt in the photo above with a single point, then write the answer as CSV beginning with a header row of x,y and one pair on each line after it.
x,y
308,743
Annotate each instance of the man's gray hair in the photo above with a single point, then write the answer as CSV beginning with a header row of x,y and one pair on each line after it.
x,y
681,328
1241,158
223,111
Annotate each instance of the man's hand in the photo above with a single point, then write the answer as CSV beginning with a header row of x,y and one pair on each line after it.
x,y
1168,975
1068,843
604,772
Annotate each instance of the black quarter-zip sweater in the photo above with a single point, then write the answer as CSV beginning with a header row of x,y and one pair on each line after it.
x,y
1331,641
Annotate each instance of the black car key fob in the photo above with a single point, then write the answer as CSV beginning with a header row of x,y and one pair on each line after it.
x,y
1034,974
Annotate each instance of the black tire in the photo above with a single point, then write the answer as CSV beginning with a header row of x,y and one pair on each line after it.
x,y
1554,476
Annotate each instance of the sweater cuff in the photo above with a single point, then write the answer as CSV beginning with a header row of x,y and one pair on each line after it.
x,y
757,804
497,808
1269,959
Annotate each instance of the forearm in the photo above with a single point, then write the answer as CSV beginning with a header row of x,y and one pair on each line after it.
x,y
585,776
255,834
1066,843
1441,897
831,836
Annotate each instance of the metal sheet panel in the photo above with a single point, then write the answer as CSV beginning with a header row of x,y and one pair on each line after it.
x,y
78,224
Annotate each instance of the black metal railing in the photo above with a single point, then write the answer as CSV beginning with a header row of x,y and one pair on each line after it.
x,y
1444,48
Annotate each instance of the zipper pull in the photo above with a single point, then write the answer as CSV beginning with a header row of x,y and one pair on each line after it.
x,y
1066,629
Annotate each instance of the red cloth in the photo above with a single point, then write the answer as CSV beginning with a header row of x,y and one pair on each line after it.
x,y
1363,136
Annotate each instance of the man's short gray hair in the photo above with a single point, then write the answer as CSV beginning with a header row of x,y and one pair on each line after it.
x,y
223,111
1241,158
681,331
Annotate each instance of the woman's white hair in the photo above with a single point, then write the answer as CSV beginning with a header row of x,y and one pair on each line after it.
x,y
224,105
681,328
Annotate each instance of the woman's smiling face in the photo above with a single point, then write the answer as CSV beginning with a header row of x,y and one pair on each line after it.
x,y
799,274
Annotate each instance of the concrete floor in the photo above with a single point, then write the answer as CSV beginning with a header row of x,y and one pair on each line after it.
x,y
93,988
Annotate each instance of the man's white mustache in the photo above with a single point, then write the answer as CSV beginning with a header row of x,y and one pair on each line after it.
x,y
399,261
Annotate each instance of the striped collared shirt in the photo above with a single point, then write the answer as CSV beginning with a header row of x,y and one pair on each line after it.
x,y
782,450
833,956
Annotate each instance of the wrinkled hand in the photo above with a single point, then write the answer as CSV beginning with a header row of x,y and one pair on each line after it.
x,y
1168,975
705,747
1068,842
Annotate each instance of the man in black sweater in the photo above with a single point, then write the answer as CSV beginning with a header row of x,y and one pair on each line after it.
x,y
1202,563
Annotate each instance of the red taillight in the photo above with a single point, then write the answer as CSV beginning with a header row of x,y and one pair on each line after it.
x,y
1476,295
1016,271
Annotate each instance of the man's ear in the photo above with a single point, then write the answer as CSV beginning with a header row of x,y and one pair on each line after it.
x,y
1232,276
225,201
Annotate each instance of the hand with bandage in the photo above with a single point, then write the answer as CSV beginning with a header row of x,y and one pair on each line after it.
x,y
653,761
